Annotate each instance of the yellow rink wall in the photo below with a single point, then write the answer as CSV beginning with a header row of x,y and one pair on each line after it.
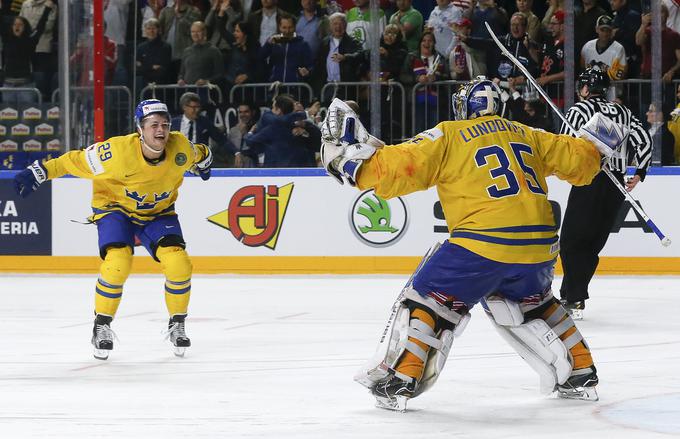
x,y
304,265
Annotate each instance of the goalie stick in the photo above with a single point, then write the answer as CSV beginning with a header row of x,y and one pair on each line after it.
x,y
665,241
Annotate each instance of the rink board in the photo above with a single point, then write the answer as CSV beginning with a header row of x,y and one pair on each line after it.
x,y
287,221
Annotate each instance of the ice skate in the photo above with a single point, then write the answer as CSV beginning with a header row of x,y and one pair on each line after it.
x,y
177,335
394,393
102,337
580,385
575,309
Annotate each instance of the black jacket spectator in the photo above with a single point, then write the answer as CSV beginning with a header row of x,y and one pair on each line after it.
x,y
19,42
152,53
350,69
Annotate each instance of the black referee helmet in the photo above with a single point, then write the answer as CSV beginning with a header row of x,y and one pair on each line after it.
x,y
596,80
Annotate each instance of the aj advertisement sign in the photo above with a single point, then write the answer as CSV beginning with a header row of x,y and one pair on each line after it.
x,y
25,224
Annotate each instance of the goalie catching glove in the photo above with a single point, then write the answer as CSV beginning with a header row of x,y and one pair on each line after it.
x,y
607,135
345,142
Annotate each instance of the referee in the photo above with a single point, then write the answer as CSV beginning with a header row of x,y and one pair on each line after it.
x,y
592,210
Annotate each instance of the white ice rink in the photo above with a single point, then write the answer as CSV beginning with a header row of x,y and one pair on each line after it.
x,y
274,357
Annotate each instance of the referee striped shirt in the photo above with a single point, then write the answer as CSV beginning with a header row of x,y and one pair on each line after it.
x,y
639,145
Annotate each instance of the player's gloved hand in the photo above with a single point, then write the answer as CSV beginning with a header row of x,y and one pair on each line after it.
x,y
607,135
28,180
345,166
343,124
345,142
203,167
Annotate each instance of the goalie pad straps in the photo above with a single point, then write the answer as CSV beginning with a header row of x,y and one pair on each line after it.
x,y
534,341
562,324
421,336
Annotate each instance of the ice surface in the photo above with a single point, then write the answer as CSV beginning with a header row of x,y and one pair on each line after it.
x,y
274,356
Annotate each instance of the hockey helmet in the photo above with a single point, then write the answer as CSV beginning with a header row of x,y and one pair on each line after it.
x,y
148,107
479,97
596,80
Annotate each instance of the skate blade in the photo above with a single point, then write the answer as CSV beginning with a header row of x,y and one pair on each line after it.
x,y
179,351
576,314
582,393
101,354
397,404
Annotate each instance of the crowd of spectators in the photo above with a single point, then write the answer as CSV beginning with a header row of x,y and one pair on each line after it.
x,y
230,42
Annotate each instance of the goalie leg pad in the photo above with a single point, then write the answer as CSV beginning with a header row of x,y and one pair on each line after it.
x,y
535,341
395,343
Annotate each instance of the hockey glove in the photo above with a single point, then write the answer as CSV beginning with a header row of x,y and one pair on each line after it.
x,y
345,142
28,180
607,135
203,167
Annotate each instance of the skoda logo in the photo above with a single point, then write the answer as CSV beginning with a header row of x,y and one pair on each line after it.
x,y
378,222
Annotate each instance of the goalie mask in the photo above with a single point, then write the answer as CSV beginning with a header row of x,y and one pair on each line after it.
x,y
479,97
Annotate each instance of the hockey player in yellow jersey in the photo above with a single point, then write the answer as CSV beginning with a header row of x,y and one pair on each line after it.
x,y
490,177
135,185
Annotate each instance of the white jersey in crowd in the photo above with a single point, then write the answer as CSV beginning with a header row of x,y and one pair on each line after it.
x,y
614,58
440,21
359,25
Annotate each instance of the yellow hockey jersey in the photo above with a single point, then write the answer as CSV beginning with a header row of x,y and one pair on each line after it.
x,y
124,181
490,177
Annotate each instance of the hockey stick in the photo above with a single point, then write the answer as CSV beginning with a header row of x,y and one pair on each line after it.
x,y
665,241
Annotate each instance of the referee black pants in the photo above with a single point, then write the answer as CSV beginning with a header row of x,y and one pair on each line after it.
x,y
588,219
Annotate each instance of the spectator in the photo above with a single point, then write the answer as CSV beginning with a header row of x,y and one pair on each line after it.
x,y
83,58
221,19
533,23
466,62
584,24
202,62
332,63
290,59
198,129
246,121
552,67
655,124
152,9
625,24
359,22
518,43
43,58
392,53
487,11
553,6
20,43
604,52
410,23
242,59
670,41
673,20
529,112
176,24
312,26
273,135
425,67
264,22
116,18
441,22
154,56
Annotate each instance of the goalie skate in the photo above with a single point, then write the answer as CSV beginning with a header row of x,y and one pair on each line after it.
x,y
580,385
394,393
178,336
